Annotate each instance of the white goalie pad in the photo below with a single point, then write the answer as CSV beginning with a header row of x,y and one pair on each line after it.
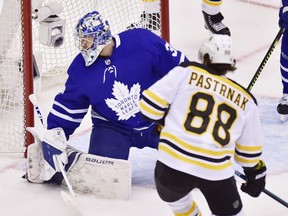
x,y
101,176
38,170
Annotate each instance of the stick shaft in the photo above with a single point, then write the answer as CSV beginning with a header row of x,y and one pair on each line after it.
x,y
32,98
70,188
265,59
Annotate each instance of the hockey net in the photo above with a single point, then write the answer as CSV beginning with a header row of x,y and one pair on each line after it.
x,y
12,85
53,62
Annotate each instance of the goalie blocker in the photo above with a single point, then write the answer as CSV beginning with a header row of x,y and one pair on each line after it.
x,y
89,174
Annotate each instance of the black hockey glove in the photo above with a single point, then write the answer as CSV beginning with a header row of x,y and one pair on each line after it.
x,y
255,182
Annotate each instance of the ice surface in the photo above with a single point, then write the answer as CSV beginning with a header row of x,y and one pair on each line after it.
x,y
253,25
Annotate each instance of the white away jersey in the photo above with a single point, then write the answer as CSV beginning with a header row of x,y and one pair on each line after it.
x,y
208,119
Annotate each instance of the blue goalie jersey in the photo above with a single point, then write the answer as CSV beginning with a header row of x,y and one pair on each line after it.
x,y
113,85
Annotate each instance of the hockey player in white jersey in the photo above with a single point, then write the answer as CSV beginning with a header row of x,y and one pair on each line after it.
x,y
208,120
108,75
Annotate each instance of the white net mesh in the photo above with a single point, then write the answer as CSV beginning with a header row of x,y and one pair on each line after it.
x,y
11,78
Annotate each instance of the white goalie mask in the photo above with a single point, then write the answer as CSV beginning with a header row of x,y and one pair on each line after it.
x,y
219,49
92,34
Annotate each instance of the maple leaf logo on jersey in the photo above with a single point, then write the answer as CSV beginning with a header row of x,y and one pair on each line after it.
x,y
126,103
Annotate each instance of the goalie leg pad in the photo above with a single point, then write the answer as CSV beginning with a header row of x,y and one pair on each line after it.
x,y
100,176
38,170
33,163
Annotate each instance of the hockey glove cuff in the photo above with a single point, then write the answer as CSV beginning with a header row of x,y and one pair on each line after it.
x,y
283,17
255,182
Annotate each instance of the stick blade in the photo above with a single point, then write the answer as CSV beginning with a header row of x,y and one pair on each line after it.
x,y
69,200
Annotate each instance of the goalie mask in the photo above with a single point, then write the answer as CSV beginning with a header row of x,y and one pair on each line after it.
x,y
219,49
92,34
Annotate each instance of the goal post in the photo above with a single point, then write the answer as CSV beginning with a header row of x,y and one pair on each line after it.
x,y
16,82
20,45
26,24
165,22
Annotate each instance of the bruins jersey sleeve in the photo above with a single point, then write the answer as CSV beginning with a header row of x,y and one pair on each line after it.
x,y
209,120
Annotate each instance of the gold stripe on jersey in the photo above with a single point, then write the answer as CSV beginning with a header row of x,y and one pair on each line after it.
x,y
217,159
154,98
152,106
247,156
194,148
187,159
144,107
249,148
246,162
203,79
213,3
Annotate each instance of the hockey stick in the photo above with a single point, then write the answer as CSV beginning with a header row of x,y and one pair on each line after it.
x,y
74,202
32,99
70,200
272,195
265,59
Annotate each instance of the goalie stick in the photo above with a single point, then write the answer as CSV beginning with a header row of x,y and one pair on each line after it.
x,y
265,59
73,202
32,99
272,195
70,200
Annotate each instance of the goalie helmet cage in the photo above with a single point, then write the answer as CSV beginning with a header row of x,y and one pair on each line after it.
x,y
17,50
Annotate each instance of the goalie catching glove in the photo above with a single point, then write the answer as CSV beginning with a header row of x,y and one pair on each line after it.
x,y
255,182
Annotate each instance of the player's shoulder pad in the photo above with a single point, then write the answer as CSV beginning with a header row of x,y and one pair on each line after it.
x,y
209,70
